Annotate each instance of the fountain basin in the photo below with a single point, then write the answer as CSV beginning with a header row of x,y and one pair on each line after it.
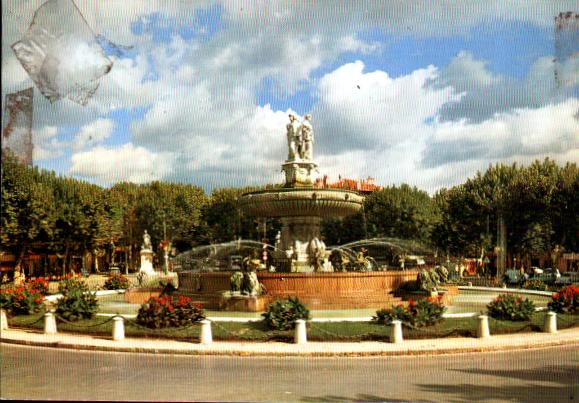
x,y
351,290
301,202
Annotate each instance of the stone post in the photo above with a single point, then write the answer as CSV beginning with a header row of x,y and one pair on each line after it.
x,y
49,323
300,335
3,320
396,332
118,328
482,331
206,336
550,325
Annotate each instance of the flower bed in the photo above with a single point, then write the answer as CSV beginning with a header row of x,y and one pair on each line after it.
x,y
76,302
511,307
24,299
116,281
21,300
566,300
282,314
424,312
169,311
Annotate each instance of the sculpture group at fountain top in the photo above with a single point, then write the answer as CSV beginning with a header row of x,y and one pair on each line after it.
x,y
300,138
299,166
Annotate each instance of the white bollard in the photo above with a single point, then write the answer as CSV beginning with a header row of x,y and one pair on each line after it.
x,y
49,323
483,327
300,335
396,332
550,323
118,328
206,337
3,320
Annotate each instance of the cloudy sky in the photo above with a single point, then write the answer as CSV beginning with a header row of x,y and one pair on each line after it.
x,y
406,92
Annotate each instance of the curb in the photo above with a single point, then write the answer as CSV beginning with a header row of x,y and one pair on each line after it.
x,y
208,351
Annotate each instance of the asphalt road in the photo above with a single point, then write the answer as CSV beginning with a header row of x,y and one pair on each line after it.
x,y
539,375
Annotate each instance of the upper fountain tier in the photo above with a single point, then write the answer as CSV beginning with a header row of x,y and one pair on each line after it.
x,y
299,198
301,202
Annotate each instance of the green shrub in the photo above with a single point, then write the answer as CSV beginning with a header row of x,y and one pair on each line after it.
x,y
398,312
282,314
168,311
535,285
424,312
23,300
76,302
511,307
116,281
566,300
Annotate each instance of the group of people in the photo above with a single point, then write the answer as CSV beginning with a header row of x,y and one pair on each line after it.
x,y
300,138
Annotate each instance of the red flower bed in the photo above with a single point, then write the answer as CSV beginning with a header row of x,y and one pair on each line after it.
x,y
167,311
566,300
116,281
39,284
424,312
22,300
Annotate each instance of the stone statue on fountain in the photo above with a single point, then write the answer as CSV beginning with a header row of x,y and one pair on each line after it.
x,y
307,138
293,141
299,166
300,138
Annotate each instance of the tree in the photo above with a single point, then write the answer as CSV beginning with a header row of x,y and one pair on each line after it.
x,y
28,215
400,212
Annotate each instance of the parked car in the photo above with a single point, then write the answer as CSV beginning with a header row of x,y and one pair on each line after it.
x,y
567,278
545,275
512,276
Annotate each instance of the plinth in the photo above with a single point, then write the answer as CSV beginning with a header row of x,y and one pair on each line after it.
x,y
147,261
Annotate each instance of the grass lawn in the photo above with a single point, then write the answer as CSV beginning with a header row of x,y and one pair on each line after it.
x,y
317,331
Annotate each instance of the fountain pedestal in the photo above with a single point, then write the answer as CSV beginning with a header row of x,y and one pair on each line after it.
x,y
236,302
299,172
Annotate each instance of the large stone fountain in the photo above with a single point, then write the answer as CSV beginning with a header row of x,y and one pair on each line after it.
x,y
300,206
300,258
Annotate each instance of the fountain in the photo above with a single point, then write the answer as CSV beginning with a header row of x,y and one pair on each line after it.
x,y
300,206
300,262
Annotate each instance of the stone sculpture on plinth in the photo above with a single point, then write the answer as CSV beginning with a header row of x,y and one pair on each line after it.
x,y
299,166
147,255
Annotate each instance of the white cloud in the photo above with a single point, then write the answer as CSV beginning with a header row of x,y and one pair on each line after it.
x,y
485,93
108,165
45,144
372,110
523,132
92,133
203,123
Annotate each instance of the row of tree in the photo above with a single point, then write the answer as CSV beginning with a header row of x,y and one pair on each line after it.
x,y
535,208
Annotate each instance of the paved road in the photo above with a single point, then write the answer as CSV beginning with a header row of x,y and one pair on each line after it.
x,y
540,375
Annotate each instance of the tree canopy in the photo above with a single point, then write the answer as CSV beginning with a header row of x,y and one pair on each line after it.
x,y
537,205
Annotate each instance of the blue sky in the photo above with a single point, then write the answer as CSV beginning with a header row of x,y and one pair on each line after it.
x,y
200,93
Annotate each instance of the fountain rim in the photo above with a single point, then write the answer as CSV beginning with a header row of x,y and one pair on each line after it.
x,y
320,202
299,189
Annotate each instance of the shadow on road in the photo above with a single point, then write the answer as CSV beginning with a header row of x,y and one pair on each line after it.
x,y
549,383
358,398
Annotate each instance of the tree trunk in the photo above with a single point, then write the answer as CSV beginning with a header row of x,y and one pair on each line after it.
x,y
20,257
502,244
66,263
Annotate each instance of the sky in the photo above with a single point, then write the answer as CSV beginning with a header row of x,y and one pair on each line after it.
x,y
402,91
